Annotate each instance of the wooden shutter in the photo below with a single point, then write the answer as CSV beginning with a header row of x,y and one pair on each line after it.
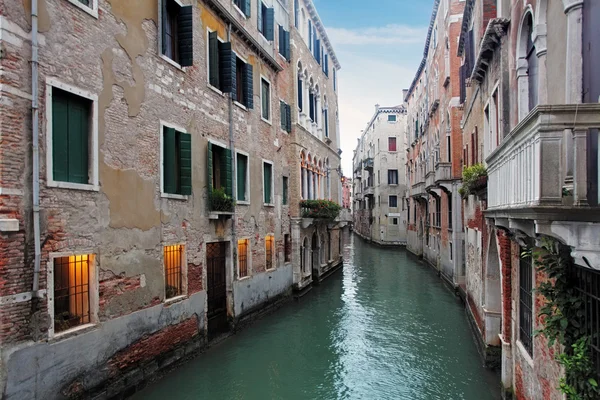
x,y
226,175
185,163
270,21
288,118
60,137
288,55
247,6
300,94
163,32
285,191
213,59
282,114
311,101
185,36
310,43
267,172
78,137
249,89
296,13
318,51
326,122
281,41
169,161
261,28
227,63
209,170
241,176
462,83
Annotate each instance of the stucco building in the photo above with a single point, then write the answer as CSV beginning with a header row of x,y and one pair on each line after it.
x,y
434,141
379,212
150,180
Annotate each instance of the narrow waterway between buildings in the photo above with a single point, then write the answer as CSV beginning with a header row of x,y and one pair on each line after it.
x,y
383,328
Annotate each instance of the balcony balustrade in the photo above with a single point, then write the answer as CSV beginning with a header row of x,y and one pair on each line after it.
x,y
368,163
369,191
430,179
443,171
545,159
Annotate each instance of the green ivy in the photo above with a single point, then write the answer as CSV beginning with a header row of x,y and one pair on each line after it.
x,y
220,201
470,178
564,320
323,209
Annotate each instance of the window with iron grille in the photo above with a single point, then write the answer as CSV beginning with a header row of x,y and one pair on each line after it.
x,y
269,251
243,245
173,271
587,283
526,303
71,291
288,247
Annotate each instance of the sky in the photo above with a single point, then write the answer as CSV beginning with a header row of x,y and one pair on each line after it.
x,y
379,45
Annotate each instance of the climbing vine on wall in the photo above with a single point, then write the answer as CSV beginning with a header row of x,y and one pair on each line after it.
x,y
564,315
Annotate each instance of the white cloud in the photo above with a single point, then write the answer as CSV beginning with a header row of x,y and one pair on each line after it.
x,y
384,35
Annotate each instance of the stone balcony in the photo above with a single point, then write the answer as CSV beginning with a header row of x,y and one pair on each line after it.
x,y
443,172
430,179
368,163
369,191
418,189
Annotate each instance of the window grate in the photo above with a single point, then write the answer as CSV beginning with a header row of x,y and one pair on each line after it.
x,y
71,292
587,283
173,275
526,303
243,257
269,252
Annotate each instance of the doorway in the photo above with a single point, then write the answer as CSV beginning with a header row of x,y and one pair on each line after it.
x,y
216,268
315,255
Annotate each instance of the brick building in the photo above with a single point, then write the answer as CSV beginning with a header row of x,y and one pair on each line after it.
x,y
531,117
379,212
159,206
434,138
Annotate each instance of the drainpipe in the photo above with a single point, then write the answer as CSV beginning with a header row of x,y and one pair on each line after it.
x,y
35,140
233,170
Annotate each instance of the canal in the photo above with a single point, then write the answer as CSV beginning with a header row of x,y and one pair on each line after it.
x,y
383,328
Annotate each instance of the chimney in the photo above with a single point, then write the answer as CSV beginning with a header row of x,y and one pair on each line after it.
x,y
376,108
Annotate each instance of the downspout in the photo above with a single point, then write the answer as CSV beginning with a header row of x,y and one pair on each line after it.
x,y
233,172
35,142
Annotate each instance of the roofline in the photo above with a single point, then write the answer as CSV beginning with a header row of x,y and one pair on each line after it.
x,y
312,10
436,6
381,110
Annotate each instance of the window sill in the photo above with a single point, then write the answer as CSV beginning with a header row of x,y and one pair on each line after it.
x,y
91,11
269,205
266,120
74,186
173,300
173,63
271,269
214,89
240,105
73,331
244,278
174,196
524,353
242,203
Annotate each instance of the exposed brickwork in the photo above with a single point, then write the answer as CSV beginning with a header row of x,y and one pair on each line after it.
x,y
504,247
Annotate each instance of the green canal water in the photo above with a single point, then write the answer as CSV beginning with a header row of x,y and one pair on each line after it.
x,y
383,328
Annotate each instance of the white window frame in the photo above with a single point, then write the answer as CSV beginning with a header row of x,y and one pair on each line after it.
x,y
247,201
184,274
93,10
274,259
235,7
245,61
272,204
93,185
248,258
160,28
93,291
270,120
164,195
217,90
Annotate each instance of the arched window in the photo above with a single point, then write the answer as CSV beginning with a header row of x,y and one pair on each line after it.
x,y
300,88
527,68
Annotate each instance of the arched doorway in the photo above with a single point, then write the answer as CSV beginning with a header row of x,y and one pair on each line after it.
x,y
493,300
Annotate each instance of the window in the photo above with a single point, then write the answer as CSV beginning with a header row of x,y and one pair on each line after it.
x,y
173,258
326,119
392,176
587,284
325,64
438,212
177,32
310,35
268,182
71,139
243,245
394,221
285,191
334,81
451,251
220,187
391,118
393,202
89,6
244,6
287,247
284,43
266,21
408,210
176,161
269,251
265,95
392,144
526,303
228,73
449,148
285,112
449,199
71,280
242,177
296,13
532,65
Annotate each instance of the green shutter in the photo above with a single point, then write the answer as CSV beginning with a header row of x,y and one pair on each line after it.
x,y
213,59
249,89
270,22
163,32
209,170
60,137
288,118
226,176
241,177
247,7
261,28
267,182
169,161
78,141
286,40
282,114
285,190
185,36
227,61
185,163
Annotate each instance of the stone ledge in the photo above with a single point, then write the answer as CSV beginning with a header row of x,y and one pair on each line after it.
x,y
9,225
